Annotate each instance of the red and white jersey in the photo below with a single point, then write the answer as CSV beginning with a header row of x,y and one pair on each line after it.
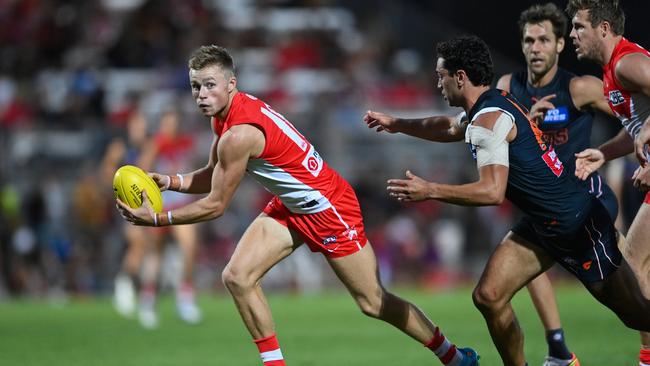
x,y
289,167
632,108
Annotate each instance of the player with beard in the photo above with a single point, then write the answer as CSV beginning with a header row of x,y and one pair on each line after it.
x,y
563,104
597,35
563,223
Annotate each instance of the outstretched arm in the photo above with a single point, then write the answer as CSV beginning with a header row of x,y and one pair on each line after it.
x,y
493,132
439,128
490,189
235,148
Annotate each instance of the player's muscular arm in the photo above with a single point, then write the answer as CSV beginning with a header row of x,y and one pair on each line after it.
x,y
488,190
633,72
438,128
492,150
234,149
619,145
590,160
587,93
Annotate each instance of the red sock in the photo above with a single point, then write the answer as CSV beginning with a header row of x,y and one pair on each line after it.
x,y
445,350
270,351
644,356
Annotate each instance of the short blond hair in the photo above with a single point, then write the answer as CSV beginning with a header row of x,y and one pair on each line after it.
x,y
205,56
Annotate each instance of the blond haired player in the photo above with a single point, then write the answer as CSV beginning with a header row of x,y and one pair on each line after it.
x,y
312,204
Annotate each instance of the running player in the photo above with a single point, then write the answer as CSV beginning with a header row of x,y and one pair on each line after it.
x,y
597,35
133,149
171,149
566,103
312,204
141,262
562,219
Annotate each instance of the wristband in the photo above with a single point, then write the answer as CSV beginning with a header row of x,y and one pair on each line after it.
x,y
181,181
169,183
155,219
169,217
174,183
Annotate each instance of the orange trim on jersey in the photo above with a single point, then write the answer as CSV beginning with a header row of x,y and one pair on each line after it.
x,y
536,131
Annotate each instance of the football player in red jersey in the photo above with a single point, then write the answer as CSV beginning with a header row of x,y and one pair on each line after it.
x,y
313,204
597,35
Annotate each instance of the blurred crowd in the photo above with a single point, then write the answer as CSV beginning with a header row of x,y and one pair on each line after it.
x,y
74,75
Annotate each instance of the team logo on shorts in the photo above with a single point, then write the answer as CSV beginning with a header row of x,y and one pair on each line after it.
x,y
570,261
616,97
329,240
586,265
351,233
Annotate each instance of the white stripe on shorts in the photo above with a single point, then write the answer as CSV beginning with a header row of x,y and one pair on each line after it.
x,y
600,236
593,243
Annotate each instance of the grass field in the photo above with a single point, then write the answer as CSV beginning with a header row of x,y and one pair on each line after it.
x,y
322,330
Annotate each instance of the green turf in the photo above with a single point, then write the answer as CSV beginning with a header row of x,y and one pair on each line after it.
x,y
315,330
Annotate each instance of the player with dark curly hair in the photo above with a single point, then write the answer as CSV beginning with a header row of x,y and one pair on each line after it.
x,y
563,223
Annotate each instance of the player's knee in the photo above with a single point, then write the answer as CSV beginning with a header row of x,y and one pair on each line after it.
x,y
235,280
370,304
487,298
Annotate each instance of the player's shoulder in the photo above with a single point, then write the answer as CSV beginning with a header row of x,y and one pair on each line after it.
x,y
633,70
241,137
504,82
631,62
245,108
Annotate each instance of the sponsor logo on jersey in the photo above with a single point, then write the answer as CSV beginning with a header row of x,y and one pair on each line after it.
x,y
553,161
616,97
557,115
329,240
313,161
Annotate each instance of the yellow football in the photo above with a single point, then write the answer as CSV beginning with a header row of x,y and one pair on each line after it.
x,y
129,182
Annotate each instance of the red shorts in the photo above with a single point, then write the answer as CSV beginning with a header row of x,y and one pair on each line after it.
x,y
336,232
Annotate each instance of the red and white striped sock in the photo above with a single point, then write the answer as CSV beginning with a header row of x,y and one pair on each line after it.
x,y
270,351
445,350
644,357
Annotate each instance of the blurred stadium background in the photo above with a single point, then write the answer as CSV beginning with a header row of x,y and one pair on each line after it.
x,y
72,74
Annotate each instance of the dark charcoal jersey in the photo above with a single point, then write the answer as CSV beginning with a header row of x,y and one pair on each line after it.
x,y
565,127
538,182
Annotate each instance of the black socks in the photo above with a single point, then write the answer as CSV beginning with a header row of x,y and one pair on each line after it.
x,y
556,346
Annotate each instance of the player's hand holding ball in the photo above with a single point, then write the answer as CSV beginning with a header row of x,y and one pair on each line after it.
x,y
138,196
162,181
